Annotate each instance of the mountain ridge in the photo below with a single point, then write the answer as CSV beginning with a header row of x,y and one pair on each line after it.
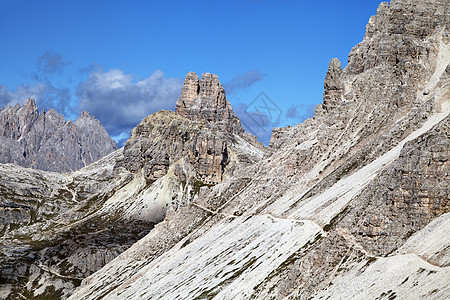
x,y
56,229
48,142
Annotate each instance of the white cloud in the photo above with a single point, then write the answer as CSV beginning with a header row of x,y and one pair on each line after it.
x,y
22,92
120,101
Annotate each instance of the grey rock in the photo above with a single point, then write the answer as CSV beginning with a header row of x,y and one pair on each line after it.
x,y
333,85
51,233
369,170
46,141
60,228
350,204
203,130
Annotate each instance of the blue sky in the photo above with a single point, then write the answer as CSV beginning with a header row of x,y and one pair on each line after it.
x,y
123,60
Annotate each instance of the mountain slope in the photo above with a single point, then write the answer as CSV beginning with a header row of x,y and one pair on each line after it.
x,y
47,142
56,229
344,205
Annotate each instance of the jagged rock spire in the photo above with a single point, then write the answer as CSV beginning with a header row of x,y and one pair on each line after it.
x,y
202,131
205,101
189,93
333,86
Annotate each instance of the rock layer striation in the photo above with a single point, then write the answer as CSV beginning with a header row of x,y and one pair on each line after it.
x,y
56,229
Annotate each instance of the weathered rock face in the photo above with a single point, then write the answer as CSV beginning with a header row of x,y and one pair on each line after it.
x,y
205,101
407,196
46,141
333,86
398,36
53,231
203,132
189,93
352,204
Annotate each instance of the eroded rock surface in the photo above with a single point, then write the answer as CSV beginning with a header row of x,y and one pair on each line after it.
x,y
203,130
351,204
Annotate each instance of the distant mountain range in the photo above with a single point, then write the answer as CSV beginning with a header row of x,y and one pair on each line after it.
x,y
48,142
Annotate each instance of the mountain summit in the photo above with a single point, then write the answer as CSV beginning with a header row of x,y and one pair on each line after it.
x,y
205,101
48,142
169,162
204,131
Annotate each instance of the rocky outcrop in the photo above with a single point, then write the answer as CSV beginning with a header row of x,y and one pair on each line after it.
x,y
407,196
398,36
205,101
333,85
53,231
47,142
351,204
204,132
189,93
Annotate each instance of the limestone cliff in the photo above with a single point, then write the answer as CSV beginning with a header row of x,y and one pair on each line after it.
x,y
204,131
47,142
205,101
351,204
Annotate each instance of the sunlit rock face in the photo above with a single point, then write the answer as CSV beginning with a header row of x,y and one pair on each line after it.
x,y
351,204
205,101
203,132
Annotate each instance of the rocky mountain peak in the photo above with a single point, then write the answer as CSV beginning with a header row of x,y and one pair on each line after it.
x,y
189,93
46,141
53,116
212,92
399,35
206,93
404,52
361,181
88,120
203,132
333,85
205,101
30,105
351,204
334,72
85,115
